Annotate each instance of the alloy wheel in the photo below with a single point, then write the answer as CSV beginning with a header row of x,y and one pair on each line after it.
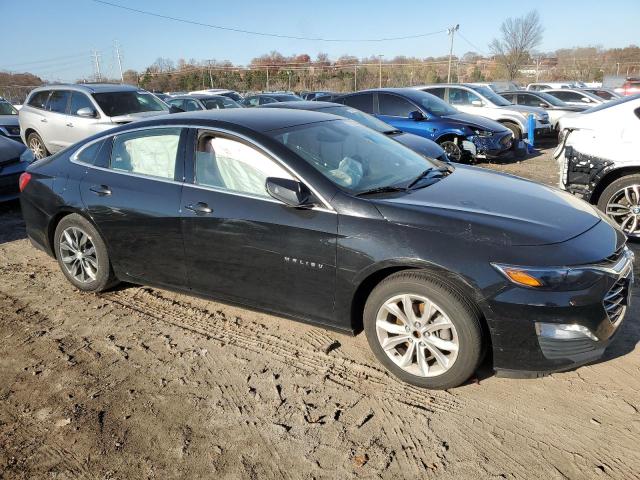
x,y
452,150
78,254
37,147
417,335
624,208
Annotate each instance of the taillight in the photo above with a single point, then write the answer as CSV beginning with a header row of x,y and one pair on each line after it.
x,y
24,179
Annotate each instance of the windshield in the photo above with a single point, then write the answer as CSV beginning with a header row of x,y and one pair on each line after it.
x,y
114,104
7,109
219,102
551,99
491,95
286,98
612,103
353,157
360,117
432,104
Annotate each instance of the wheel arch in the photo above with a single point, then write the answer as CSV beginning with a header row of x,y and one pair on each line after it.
x,y
370,278
611,177
57,218
513,122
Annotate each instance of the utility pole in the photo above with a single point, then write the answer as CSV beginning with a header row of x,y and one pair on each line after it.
x,y
96,65
355,78
380,70
119,57
451,31
267,79
210,77
537,68
617,69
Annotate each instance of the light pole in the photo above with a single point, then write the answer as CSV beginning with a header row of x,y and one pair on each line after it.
x,y
380,69
451,31
355,78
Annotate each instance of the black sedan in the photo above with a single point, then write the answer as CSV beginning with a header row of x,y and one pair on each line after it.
x,y
14,160
418,144
318,218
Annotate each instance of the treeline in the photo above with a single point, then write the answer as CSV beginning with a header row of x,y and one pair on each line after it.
x,y
15,86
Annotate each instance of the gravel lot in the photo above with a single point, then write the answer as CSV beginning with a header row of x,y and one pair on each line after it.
x,y
144,383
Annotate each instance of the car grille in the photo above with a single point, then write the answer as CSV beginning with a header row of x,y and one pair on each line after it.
x,y
615,301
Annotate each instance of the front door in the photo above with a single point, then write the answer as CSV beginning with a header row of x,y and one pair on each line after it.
x,y
243,245
134,199
396,111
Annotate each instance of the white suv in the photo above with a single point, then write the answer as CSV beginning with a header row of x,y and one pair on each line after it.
x,y
600,160
481,100
57,116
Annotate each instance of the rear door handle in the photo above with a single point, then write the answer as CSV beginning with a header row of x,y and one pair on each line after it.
x,y
101,190
44,120
69,124
199,208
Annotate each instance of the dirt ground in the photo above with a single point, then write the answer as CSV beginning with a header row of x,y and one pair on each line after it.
x,y
144,383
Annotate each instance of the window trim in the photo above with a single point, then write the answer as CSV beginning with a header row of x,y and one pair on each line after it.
x,y
374,101
66,107
49,90
95,107
185,152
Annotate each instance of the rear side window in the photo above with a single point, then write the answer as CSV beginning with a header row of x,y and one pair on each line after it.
x,y
458,96
363,102
510,97
151,152
78,101
91,153
58,101
191,105
39,99
529,100
438,92
394,106
568,96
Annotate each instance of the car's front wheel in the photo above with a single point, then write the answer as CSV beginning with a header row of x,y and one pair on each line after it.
x,y
423,330
35,143
621,202
82,254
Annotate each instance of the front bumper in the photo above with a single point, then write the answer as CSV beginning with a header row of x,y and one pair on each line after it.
x,y
520,348
493,146
9,175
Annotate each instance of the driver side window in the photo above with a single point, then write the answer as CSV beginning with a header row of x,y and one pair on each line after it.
x,y
228,164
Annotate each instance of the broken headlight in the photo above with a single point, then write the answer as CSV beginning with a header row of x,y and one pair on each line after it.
x,y
483,133
550,278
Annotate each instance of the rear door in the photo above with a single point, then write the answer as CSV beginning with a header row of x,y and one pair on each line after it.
x,y
54,130
244,246
132,193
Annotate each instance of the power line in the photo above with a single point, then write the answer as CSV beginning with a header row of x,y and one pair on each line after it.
x,y
264,34
471,44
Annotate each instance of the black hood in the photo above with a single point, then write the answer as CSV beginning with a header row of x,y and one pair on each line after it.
x,y
493,207
418,144
476,121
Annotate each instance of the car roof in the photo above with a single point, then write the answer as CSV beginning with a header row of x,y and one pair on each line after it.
x,y
90,87
303,105
257,119
198,96
412,93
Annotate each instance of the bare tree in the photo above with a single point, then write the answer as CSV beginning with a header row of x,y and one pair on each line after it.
x,y
519,36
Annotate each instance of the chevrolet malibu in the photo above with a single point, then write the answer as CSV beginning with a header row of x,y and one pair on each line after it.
x,y
320,219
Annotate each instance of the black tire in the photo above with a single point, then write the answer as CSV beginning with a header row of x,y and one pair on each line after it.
x,y
104,276
455,153
461,312
610,191
35,143
517,133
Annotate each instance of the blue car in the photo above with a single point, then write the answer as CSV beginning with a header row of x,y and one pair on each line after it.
x,y
463,136
418,144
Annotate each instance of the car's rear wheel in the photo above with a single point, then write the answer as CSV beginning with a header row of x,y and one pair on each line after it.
x,y
423,330
82,254
36,145
515,129
621,202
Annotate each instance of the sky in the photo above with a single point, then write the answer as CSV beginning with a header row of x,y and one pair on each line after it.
x,y
54,38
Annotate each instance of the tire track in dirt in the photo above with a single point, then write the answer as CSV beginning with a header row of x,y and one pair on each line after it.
x,y
255,337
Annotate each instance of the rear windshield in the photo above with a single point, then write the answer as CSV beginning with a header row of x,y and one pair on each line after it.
x,y
233,96
286,98
114,104
360,117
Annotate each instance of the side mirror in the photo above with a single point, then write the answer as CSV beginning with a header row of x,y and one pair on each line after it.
x,y
586,99
476,103
86,112
417,115
543,105
290,192
174,109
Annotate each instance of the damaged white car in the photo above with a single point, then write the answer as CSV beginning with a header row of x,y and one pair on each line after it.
x,y
599,155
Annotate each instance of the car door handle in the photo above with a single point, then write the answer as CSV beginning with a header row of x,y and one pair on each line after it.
x,y
101,190
199,208
69,124
43,120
